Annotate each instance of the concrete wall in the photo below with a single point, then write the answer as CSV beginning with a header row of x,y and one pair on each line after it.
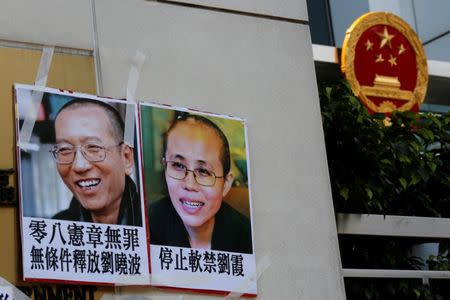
x,y
61,23
246,64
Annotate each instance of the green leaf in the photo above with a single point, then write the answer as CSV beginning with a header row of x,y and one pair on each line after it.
x,y
327,115
432,167
344,193
369,193
328,92
379,206
403,182
426,133
386,161
417,292
404,158
415,178
415,146
368,293
359,120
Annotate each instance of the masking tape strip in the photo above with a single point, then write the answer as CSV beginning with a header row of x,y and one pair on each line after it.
x,y
130,280
8,288
36,97
44,66
133,78
126,281
261,266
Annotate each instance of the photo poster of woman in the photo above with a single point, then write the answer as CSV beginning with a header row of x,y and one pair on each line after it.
x,y
197,186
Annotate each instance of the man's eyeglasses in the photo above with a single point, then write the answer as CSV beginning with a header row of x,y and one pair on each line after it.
x,y
64,154
202,175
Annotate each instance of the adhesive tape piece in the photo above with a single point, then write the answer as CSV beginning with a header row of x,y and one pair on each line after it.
x,y
133,79
30,118
128,135
36,96
13,293
129,280
261,266
44,66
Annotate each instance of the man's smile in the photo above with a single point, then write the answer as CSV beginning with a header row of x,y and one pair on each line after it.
x,y
87,183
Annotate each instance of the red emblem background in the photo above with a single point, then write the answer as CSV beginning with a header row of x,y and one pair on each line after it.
x,y
384,62
366,67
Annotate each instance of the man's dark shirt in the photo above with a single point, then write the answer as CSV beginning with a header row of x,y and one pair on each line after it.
x,y
129,213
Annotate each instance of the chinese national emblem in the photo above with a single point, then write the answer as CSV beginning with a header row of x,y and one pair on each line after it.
x,y
384,61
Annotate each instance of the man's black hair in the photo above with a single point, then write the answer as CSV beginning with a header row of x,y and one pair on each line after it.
x,y
117,124
183,117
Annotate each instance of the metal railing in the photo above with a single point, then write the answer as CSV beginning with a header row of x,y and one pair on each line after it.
x,y
399,226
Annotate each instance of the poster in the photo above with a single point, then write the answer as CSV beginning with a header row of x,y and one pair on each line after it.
x,y
6,292
81,198
197,188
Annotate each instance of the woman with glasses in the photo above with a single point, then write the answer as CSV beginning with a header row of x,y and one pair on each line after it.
x,y
196,159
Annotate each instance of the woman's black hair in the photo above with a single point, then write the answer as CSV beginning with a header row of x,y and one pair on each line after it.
x,y
185,116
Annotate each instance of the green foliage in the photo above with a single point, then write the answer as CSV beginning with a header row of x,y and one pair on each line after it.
x,y
400,169
365,252
439,263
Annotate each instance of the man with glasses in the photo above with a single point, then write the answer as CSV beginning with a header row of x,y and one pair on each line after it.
x,y
95,164
196,159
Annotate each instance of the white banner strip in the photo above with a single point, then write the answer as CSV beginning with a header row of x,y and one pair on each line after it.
x,y
10,292
133,79
36,97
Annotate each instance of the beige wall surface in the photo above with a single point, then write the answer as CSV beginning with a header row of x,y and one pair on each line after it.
x,y
63,23
291,9
261,70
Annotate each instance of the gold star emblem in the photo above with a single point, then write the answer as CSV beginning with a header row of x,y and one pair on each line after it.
x,y
393,61
401,49
385,38
379,58
369,45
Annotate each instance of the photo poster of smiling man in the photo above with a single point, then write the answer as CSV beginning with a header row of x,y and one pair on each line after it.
x,y
197,188
79,182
